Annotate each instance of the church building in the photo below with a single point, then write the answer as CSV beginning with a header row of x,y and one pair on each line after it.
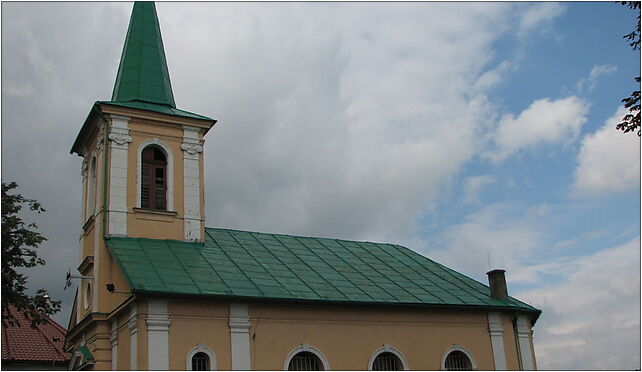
x,y
160,291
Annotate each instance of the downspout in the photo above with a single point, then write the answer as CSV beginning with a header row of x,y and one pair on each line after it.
x,y
520,363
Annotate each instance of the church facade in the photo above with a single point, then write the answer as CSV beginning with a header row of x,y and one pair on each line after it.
x,y
161,291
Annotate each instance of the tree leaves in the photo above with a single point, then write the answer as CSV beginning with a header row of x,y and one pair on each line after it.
x,y
631,121
19,243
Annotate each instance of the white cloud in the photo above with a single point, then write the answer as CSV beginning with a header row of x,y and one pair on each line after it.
x,y
609,161
340,117
474,185
538,17
597,72
592,317
493,77
544,121
489,239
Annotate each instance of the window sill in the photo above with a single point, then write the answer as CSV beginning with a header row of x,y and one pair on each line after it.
x,y
157,212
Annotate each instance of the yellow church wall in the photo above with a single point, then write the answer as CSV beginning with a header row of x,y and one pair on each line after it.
x,y
204,323
348,336
124,342
510,345
141,355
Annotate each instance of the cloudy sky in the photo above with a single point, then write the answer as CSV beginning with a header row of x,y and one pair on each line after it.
x,y
479,134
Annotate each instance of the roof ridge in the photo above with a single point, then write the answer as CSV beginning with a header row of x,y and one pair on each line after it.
x,y
298,236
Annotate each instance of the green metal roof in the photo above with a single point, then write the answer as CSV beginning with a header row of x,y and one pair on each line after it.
x,y
158,108
143,74
283,267
143,80
86,354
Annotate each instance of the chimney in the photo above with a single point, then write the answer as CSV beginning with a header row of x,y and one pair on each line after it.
x,y
497,283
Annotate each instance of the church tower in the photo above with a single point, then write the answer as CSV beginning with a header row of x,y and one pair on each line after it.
x,y
142,168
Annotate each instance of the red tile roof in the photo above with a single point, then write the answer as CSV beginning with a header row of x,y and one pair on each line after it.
x,y
24,343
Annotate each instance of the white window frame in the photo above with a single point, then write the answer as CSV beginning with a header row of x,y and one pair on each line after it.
x,y
199,348
305,347
87,295
388,349
170,170
466,352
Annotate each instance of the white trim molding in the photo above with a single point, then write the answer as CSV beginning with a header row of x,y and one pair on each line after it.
x,y
132,324
473,362
114,344
158,335
496,331
388,349
200,349
119,148
524,337
99,192
170,170
192,148
240,337
306,348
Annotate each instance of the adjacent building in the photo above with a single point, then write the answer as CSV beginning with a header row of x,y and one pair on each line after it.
x,y
162,291
25,348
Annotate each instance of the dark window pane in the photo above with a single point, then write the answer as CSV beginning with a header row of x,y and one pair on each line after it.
x,y
200,362
386,362
305,361
457,361
153,178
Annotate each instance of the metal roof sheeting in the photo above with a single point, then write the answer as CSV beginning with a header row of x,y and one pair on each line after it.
x,y
283,267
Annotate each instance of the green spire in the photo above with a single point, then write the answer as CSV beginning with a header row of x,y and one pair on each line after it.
x,y
143,74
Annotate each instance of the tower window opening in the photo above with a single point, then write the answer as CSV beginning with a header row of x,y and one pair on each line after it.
x,y
153,178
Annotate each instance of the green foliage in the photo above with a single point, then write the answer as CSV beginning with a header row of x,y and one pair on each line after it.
x,y
19,244
631,121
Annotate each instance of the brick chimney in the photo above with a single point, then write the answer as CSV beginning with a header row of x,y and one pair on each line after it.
x,y
497,284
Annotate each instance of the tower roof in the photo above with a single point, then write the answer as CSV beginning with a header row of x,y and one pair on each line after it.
x,y
143,74
142,82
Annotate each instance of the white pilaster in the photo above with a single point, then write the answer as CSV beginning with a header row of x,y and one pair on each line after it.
x,y
83,196
497,340
120,139
83,175
114,344
98,195
524,339
132,323
158,335
192,149
240,337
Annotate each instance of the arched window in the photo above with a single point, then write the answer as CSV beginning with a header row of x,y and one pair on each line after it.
x,y
387,358
306,358
153,193
387,362
200,358
200,362
305,361
458,358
